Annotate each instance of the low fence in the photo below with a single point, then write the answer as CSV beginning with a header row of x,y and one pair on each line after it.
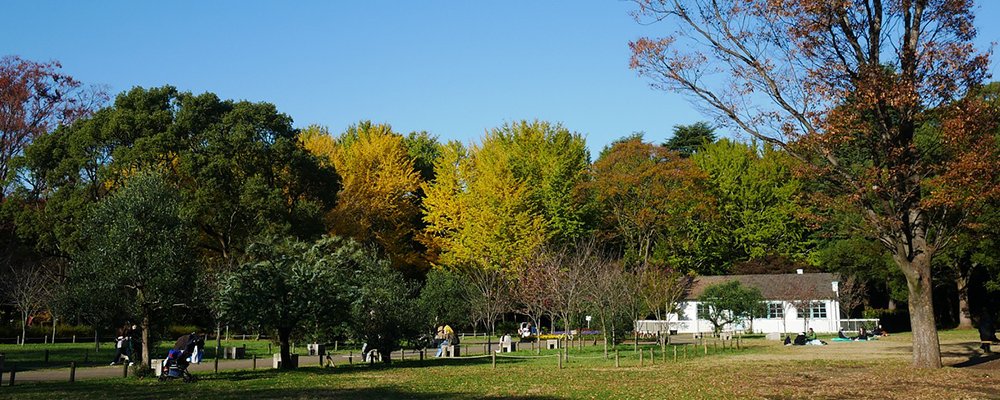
x,y
852,325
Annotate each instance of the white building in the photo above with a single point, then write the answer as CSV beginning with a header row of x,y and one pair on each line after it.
x,y
795,302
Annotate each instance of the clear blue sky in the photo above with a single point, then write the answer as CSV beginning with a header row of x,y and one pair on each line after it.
x,y
453,68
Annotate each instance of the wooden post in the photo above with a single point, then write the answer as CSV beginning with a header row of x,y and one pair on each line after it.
x,y
335,345
675,352
493,358
74,339
13,373
640,357
255,362
45,340
72,371
269,349
402,353
422,354
350,358
617,363
705,344
46,356
124,370
97,342
559,356
651,356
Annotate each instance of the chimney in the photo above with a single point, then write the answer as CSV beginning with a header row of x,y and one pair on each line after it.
x,y
799,271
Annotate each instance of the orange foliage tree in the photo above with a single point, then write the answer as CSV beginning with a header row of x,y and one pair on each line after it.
x,y
848,87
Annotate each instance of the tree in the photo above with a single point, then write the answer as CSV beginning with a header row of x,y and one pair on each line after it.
x,y
289,285
489,295
492,205
690,139
442,300
35,98
378,203
28,290
844,87
381,307
239,167
136,247
758,200
608,294
650,196
662,289
730,303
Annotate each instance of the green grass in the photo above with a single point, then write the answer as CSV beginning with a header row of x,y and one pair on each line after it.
x,y
763,370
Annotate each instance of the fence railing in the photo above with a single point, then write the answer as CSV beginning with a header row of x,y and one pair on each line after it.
x,y
852,325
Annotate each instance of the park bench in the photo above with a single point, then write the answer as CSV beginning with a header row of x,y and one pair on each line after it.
x,y
552,344
452,350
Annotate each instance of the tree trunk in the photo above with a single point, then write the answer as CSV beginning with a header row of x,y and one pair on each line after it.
x,y
24,327
926,347
53,327
964,319
145,338
284,338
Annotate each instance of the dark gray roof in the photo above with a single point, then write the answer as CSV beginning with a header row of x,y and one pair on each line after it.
x,y
812,286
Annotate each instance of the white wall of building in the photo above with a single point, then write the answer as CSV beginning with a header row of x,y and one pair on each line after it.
x,y
790,322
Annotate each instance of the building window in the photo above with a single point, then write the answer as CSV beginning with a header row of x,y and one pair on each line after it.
x,y
817,310
775,310
702,311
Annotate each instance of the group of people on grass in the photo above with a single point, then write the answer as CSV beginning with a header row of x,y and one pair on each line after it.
x,y
809,337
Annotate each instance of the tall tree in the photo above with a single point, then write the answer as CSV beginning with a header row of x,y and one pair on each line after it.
x,y
690,139
35,98
493,204
649,197
758,200
378,203
844,86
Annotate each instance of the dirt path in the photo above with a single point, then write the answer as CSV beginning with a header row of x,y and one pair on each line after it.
x,y
62,374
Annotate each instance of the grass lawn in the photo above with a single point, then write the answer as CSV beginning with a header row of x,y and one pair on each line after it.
x,y
854,370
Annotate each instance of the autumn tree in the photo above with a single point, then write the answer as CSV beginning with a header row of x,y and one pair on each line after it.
x,y
35,98
844,86
493,204
378,202
650,197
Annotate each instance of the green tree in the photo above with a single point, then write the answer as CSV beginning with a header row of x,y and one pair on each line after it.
x,y
758,200
731,303
382,306
239,167
690,139
288,286
442,300
136,258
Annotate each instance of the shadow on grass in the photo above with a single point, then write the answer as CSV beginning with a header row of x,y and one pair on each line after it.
x,y
977,359
230,386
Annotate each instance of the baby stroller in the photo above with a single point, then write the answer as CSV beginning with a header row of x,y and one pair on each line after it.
x,y
187,349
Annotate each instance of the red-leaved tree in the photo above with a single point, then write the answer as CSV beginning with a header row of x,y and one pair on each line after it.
x,y
35,98
872,95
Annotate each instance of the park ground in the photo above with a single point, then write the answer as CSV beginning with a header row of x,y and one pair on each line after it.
x,y
762,369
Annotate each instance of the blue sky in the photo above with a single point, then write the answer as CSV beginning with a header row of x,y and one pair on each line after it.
x,y
453,68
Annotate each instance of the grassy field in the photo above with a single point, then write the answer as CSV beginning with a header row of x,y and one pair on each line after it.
x,y
766,370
